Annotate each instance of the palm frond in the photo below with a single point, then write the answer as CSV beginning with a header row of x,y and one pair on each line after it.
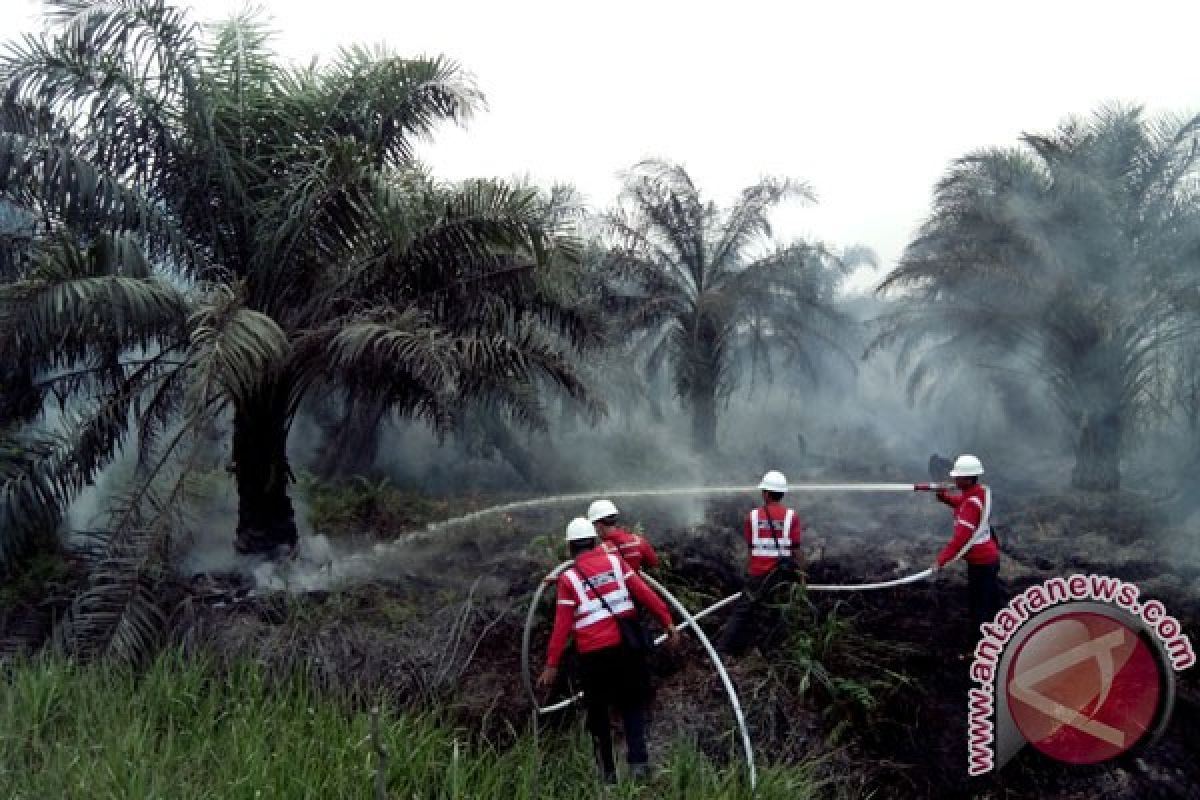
x,y
1056,254
233,350
119,615
76,306
749,220
387,103
29,503
41,474
406,345
44,175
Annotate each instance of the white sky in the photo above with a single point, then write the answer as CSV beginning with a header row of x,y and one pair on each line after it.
x,y
867,101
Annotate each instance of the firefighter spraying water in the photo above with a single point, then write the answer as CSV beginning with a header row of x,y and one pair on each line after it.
x,y
973,539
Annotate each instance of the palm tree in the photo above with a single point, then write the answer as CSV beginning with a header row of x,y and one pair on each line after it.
x,y
351,428
705,286
228,233
1071,257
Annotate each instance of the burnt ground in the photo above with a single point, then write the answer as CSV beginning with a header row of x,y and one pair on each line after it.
x,y
869,682
913,742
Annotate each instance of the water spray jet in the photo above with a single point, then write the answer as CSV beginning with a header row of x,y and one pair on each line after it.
x,y
358,566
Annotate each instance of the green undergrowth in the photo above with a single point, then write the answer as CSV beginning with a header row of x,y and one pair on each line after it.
x,y
825,656
373,506
182,729
31,576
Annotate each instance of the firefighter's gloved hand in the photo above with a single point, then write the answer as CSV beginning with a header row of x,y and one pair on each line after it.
x,y
547,678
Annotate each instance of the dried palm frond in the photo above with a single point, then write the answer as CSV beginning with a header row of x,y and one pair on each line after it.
x,y
119,615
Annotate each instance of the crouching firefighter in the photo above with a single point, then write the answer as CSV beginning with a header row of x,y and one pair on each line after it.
x,y
973,537
598,598
772,532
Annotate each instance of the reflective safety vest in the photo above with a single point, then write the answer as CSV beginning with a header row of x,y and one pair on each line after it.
x,y
973,537
983,531
633,549
589,609
771,538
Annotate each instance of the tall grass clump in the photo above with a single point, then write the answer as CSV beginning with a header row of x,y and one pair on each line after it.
x,y
183,730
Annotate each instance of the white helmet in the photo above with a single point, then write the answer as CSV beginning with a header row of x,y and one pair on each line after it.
x,y
966,466
601,509
773,481
579,529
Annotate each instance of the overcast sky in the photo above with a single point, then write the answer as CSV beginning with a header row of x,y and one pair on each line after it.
x,y
866,101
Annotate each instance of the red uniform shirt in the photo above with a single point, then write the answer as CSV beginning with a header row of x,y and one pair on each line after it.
x,y
579,610
636,551
968,513
773,539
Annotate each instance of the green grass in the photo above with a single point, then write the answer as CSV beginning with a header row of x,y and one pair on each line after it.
x,y
363,505
181,730
827,650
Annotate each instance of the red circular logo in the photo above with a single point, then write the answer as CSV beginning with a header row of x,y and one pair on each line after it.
x,y
1083,688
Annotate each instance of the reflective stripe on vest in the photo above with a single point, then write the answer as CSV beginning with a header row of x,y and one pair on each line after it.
x,y
633,544
771,545
589,611
984,530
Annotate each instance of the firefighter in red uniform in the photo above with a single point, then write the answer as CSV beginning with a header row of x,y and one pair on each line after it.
x,y
973,538
772,532
596,589
634,549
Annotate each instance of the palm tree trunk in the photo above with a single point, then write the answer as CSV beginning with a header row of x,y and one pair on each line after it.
x,y
265,516
350,446
500,435
1098,453
703,401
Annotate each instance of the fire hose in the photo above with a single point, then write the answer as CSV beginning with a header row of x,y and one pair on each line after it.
x,y
688,621
691,620
435,528
853,587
